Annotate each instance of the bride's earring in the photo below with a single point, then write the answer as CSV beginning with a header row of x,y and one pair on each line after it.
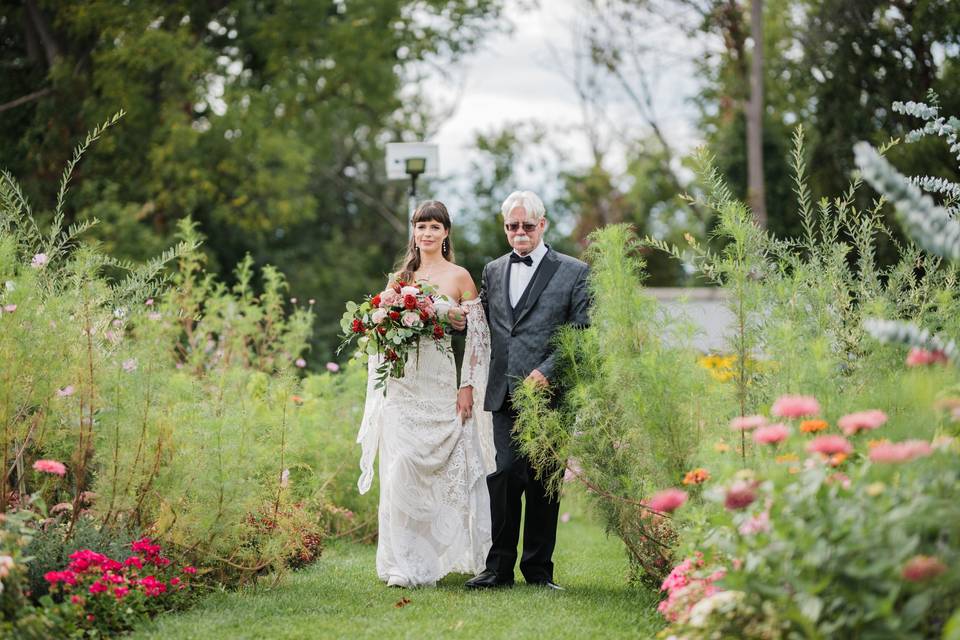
x,y
446,246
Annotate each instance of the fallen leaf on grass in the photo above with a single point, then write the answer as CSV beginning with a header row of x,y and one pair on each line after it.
x,y
402,602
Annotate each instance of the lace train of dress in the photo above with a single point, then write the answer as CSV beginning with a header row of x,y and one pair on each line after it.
x,y
434,512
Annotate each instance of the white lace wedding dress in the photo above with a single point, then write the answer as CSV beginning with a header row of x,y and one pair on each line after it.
x,y
434,515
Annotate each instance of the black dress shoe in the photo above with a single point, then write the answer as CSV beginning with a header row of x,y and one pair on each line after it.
x,y
488,580
547,584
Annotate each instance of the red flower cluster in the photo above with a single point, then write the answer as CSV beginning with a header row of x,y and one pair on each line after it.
x,y
98,574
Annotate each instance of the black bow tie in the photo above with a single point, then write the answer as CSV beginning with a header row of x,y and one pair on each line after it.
x,y
527,260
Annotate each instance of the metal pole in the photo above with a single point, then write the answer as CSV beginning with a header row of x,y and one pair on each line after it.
x,y
412,203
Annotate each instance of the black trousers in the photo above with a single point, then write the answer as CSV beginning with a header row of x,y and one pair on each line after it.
x,y
514,477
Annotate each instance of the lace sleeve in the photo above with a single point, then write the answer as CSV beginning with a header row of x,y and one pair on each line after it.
x,y
369,434
476,355
473,373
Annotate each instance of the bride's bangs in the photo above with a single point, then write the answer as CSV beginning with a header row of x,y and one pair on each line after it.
x,y
432,211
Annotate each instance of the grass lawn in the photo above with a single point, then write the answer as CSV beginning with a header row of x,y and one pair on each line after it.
x,y
340,597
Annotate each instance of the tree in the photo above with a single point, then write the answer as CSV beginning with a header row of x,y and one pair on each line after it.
x,y
263,121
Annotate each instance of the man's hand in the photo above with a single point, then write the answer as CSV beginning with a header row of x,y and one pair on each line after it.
x,y
538,378
457,318
465,403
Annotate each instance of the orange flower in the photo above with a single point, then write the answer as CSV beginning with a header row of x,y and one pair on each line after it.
x,y
794,469
837,459
697,476
297,399
721,447
787,457
875,443
812,426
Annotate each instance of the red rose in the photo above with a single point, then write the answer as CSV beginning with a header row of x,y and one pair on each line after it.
x,y
424,315
394,315
381,330
357,326
375,300
391,355
437,331
410,302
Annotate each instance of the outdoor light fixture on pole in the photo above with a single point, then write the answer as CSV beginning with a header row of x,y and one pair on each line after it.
x,y
412,160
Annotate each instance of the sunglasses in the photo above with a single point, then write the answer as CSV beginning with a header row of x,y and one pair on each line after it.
x,y
513,227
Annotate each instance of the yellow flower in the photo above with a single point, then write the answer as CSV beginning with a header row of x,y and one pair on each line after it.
x,y
787,457
721,447
873,443
875,488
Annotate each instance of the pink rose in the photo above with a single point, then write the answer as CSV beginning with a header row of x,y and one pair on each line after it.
x,y
795,406
747,423
829,445
772,434
409,291
410,319
668,500
390,298
378,316
861,421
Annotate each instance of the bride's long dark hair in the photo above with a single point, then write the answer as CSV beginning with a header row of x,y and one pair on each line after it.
x,y
429,211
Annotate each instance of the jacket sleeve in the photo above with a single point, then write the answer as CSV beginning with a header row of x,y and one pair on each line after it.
x,y
578,317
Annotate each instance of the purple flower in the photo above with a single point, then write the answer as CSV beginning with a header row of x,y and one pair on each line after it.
x,y
39,260
300,362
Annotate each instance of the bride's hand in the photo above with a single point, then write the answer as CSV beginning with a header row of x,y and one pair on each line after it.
x,y
457,318
465,403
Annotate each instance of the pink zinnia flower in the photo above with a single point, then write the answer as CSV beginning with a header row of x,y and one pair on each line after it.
x,y
668,500
795,406
120,592
333,367
772,434
50,466
65,391
747,423
190,570
920,357
10,308
920,568
739,496
759,523
900,451
861,421
829,445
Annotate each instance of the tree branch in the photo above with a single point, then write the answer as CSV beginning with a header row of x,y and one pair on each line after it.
x,y
42,30
30,97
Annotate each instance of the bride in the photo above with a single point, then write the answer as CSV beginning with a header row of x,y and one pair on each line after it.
x,y
434,440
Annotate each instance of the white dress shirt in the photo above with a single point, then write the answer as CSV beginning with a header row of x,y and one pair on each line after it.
x,y
521,274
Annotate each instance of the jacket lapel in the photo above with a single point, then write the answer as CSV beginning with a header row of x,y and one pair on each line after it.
x,y
506,291
540,280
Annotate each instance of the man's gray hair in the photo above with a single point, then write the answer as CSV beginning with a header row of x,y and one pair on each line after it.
x,y
528,201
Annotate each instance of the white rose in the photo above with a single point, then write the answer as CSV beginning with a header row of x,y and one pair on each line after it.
x,y
409,291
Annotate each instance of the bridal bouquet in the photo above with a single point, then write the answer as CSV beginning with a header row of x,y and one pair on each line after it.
x,y
393,322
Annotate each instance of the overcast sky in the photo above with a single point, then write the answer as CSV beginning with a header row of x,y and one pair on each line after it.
x,y
523,76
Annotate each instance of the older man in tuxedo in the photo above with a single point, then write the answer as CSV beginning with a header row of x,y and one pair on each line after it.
x,y
527,294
